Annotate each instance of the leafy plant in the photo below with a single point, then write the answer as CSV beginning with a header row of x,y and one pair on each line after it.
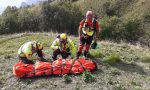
x,y
66,78
88,77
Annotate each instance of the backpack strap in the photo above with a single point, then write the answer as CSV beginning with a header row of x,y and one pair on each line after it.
x,y
94,24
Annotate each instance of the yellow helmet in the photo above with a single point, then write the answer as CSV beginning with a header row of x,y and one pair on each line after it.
x,y
63,36
38,45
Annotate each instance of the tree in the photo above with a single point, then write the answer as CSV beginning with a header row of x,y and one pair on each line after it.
x,y
9,18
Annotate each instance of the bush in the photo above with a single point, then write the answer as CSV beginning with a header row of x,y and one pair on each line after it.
x,y
114,28
58,17
132,30
61,17
110,27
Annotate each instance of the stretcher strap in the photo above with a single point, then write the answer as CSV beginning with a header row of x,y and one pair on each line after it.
x,y
81,65
52,68
33,72
62,67
34,69
73,64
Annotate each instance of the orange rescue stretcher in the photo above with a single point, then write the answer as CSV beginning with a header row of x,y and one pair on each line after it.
x,y
57,67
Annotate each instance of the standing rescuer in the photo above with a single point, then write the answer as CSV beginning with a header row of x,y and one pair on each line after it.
x,y
28,52
88,30
62,45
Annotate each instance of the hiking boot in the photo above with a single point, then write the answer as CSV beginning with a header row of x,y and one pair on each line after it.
x,y
78,55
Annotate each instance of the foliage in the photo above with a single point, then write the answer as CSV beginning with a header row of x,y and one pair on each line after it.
x,y
45,17
88,77
66,78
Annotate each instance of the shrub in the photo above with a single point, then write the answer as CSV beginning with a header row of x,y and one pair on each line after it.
x,y
132,30
114,28
110,27
54,16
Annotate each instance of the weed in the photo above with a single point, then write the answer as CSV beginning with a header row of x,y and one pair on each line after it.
x,y
88,77
66,78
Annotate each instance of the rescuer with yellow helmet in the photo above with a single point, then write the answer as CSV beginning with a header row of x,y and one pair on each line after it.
x,y
28,52
62,45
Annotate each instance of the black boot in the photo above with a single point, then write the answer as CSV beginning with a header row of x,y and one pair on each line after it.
x,y
55,53
85,54
78,55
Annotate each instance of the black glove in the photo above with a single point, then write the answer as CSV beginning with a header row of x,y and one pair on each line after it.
x,y
94,45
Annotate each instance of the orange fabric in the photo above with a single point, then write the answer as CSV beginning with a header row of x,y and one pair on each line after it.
x,y
80,48
87,47
89,23
61,66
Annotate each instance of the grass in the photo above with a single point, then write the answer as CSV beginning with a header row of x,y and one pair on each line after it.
x,y
112,59
115,71
116,77
136,85
95,54
146,58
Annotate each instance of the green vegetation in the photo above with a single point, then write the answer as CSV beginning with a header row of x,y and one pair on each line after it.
x,y
66,78
115,71
44,17
120,20
121,65
116,76
112,59
88,77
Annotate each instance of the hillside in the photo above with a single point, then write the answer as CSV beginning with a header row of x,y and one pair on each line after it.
x,y
119,12
126,20
131,72
123,56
